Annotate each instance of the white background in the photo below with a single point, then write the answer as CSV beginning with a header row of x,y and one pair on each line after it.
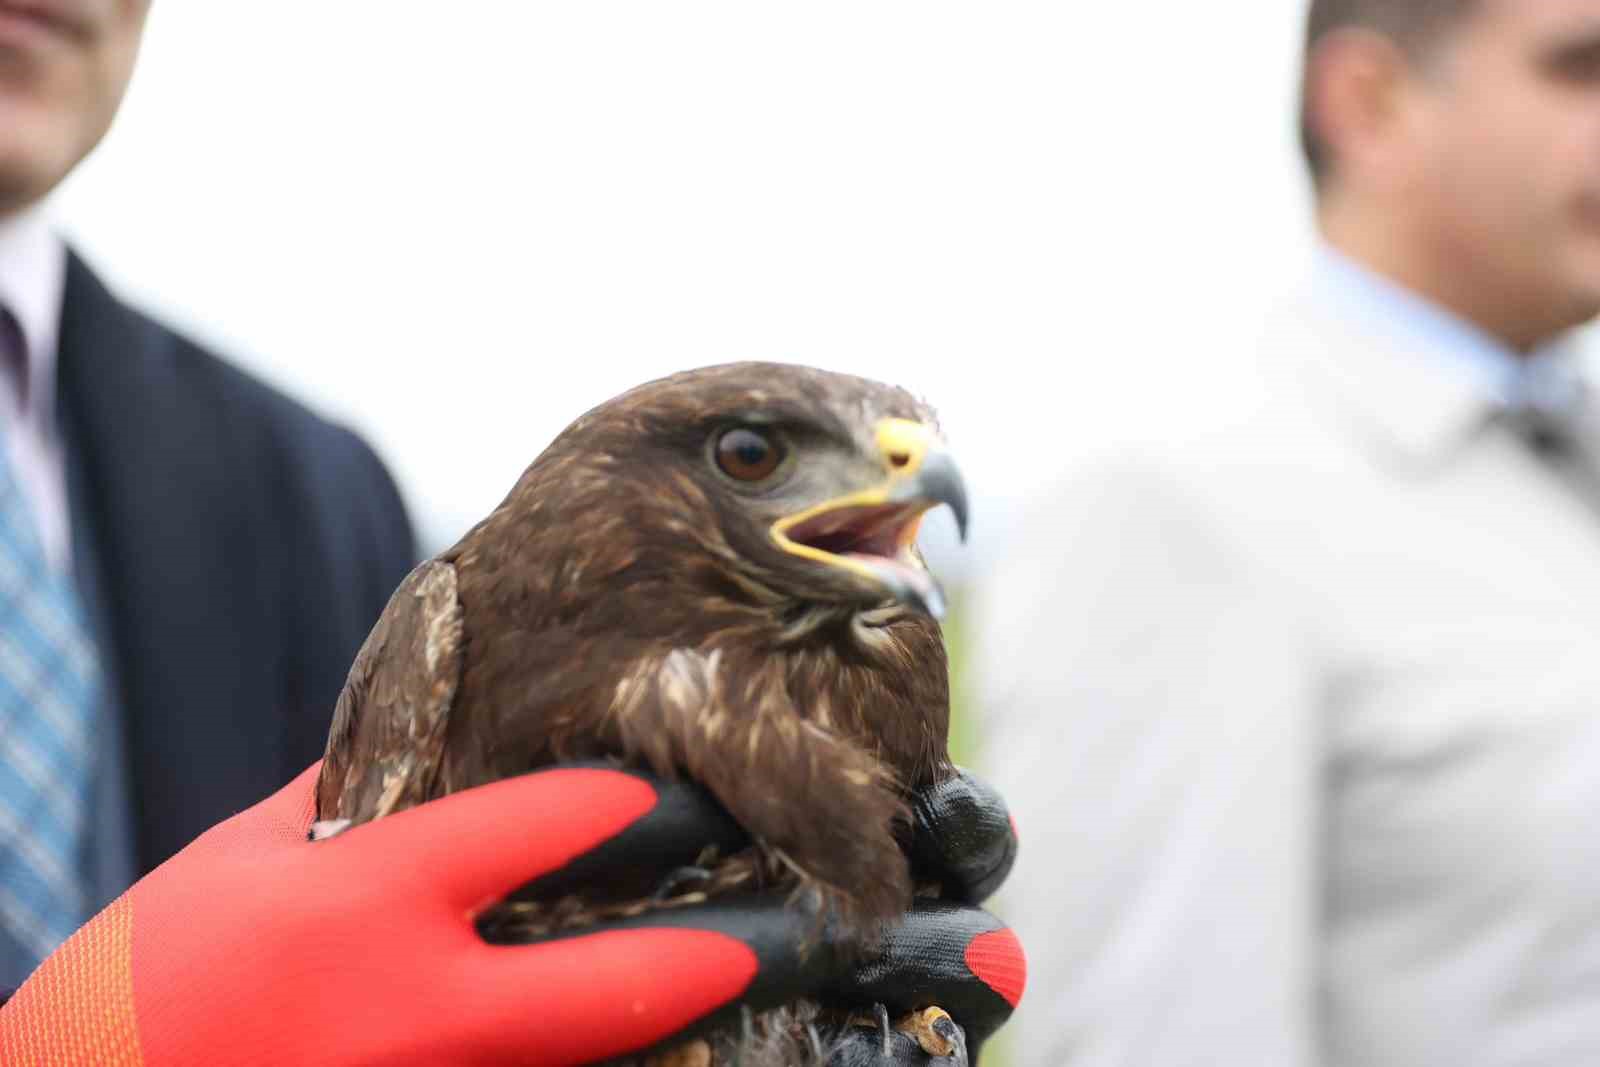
x,y
455,227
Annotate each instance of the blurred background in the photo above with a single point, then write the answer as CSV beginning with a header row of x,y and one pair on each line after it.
x,y
457,231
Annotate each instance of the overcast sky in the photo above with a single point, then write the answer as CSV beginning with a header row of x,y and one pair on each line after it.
x,y
457,227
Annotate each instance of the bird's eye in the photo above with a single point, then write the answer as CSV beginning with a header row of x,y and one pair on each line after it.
x,y
747,455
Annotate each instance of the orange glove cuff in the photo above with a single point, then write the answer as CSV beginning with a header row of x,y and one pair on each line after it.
x,y
77,1008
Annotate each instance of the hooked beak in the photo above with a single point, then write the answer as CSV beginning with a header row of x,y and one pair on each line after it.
x,y
873,532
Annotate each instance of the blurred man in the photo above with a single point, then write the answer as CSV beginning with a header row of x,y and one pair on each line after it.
x,y
1300,704
189,559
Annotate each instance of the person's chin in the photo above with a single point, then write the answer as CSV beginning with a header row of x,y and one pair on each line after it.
x,y
1570,272
33,158
1582,304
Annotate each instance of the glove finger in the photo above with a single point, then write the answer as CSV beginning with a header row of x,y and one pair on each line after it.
x,y
685,821
963,837
469,849
658,979
962,959
597,995
794,953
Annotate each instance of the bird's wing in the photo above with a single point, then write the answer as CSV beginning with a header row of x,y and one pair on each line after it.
x,y
387,741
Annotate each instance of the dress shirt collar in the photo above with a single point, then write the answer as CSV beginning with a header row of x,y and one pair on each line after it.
x,y
1424,376
33,270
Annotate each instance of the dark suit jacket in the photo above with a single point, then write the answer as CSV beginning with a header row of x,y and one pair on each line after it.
x,y
241,549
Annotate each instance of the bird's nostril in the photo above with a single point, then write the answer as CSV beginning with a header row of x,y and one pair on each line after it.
x,y
899,459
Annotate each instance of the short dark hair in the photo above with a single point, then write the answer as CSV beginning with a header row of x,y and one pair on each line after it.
x,y
1415,26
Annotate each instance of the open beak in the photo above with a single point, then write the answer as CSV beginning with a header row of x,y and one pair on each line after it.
x,y
873,532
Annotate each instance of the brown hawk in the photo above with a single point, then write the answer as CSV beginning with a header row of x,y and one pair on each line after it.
x,y
713,575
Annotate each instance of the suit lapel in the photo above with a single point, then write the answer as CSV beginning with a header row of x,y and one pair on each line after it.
x,y
181,585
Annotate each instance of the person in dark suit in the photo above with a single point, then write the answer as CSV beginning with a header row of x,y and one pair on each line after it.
x,y
233,548
225,549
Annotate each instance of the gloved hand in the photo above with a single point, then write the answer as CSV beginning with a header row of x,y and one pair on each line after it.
x,y
254,946
963,837
948,953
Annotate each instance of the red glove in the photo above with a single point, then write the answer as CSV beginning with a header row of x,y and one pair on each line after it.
x,y
255,946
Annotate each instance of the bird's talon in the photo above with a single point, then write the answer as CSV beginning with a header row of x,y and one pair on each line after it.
x,y
883,1027
933,1030
677,880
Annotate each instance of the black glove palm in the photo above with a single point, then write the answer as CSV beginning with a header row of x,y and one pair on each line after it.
x,y
947,951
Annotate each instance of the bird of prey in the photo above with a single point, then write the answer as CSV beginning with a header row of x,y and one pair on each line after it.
x,y
713,575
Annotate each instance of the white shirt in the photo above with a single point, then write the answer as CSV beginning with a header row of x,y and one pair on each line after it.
x,y
1403,322
1298,708
33,264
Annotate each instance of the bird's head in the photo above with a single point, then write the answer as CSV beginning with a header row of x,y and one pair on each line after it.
x,y
769,484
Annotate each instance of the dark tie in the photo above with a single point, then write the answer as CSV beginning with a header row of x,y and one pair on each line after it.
x,y
1565,438
1550,434
49,688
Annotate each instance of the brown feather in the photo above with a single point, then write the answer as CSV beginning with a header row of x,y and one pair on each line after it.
x,y
387,741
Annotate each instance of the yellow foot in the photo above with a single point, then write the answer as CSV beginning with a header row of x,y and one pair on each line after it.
x,y
930,1028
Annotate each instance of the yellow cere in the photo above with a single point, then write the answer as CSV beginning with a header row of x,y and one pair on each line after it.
x,y
905,444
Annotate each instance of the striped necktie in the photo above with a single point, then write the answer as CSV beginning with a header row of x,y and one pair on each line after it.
x,y
49,690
